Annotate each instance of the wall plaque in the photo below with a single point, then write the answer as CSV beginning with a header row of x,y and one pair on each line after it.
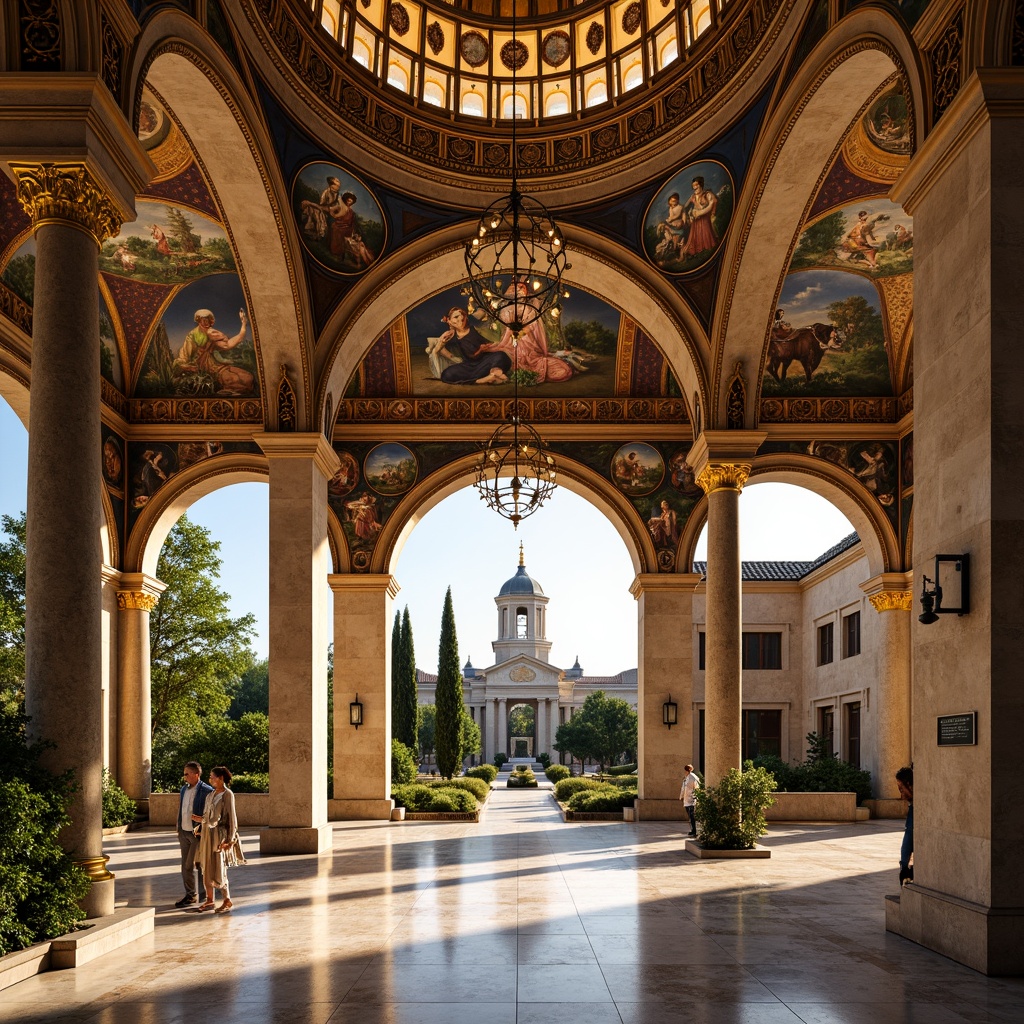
x,y
958,730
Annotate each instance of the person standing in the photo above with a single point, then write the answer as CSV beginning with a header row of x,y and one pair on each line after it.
x,y
219,847
688,794
905,784
191,801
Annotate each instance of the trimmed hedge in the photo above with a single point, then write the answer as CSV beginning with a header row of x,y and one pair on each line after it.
x,y
827,775
414,797
522,778
403,763
118,806
557,772
487,772
480,789
566,788
251,782
622,769
610,799
500,758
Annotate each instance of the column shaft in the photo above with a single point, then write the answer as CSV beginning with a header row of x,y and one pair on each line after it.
x,y
502,737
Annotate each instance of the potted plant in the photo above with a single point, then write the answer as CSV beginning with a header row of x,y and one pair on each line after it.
x,y
730,816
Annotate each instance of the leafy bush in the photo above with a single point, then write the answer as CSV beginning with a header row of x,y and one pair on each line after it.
x,y
499,759
487,772
730,816
251,782
40,884
243,745
118,806
787,776
820,773
557,772
623,781
622,769
522,778
566,788
415,797
403,763
452,800
480,789
545,759
610,799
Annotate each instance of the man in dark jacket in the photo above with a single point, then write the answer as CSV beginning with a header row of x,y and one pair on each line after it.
x,y
191,801
905,784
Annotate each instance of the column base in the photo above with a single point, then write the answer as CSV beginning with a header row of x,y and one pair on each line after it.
x,y
360,810
315,839
99,901
649,809
987,939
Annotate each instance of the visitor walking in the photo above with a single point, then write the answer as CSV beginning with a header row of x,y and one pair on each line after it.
x,y
905,784
219,847
191,801
688,794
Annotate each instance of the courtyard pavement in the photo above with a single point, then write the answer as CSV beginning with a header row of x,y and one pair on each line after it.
x,y
523,919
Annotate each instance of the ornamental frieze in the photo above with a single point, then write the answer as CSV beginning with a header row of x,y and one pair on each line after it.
x,y
577,410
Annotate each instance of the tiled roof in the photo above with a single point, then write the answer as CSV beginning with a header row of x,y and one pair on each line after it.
x,y
787,571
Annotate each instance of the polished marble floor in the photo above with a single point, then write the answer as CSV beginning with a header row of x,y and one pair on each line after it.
x,y
522,919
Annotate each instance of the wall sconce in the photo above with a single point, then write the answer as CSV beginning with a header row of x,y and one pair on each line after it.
x,y
952,583
670,712
355,713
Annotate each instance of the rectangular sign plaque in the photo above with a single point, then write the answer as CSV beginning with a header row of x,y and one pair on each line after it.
x,y
958,730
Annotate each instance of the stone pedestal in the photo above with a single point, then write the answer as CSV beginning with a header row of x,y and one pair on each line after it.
x,y
665,668
362,666
300,466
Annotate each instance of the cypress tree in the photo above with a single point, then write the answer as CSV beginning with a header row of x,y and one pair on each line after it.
x,y
448,696
396,674
404,726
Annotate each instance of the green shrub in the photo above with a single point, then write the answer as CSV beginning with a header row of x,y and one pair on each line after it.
x,y
118,806
487,772
522,778
612,799
566,788
500,758
622,769
787,776
251,782
40,885
625,781
480,789
730,816
452,800
545,759
403,763
242,744
820,773
415,797
557,772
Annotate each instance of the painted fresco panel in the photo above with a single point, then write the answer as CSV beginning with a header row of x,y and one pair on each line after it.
x,y
688,218
873,237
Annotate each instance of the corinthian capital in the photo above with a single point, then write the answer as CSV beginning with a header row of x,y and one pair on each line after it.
x,y
892,601
66,194
718,476
134,599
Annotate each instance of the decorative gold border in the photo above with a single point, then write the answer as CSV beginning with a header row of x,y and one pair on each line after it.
x,y
892,601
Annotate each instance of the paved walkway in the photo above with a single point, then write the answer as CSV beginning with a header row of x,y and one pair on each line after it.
x,y
523,919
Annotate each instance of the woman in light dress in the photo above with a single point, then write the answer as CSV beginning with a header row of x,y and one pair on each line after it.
x,y
219,847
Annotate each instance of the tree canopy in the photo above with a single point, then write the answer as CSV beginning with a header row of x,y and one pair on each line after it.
x,y
403,682
12,612
602,730
448,695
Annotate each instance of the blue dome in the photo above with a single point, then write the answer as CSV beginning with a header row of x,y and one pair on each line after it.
x,y
521,583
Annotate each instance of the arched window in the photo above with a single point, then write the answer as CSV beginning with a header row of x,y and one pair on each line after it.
x,y
597,93
669,52
398,78
522,622
557,103
514,105
473,103
701,16
330,16
504,622
633,77
433,94
361,53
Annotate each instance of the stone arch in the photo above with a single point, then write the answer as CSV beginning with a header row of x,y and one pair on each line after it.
x,y
795,149
881,545
224,127
167,506
439,262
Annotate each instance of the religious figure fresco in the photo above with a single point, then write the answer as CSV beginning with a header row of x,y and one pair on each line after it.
x,y
454,348
347,476
873,237
340,221
687,219
202,346
152,466
390,468
113,462
167,245
827,338
887,123
682,476
110,359
637,469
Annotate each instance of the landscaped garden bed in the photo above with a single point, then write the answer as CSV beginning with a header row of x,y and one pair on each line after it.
x,y
585,798
459,799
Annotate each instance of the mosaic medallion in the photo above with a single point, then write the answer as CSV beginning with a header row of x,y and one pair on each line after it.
x,y
595,37
474,49
631,18
555,48
435,37
514,55
398,17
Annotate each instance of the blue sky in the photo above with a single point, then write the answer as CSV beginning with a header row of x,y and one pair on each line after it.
x,y
570,548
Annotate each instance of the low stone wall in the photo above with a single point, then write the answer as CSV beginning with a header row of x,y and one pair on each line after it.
x,y
813,807
253,809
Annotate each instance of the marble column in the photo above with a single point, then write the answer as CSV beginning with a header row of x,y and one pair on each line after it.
x,y
363,610
553,729
137,596
665,668
502,735
487,728
891,597
540,727
300,466
963,189
71,215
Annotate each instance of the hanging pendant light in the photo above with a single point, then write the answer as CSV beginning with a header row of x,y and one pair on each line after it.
x,y
514,262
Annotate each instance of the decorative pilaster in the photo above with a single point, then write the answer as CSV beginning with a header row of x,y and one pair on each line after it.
x,y
66,194
137,596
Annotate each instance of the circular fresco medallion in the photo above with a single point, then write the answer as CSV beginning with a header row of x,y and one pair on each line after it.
x,y
637,469
390,468
112,462
474,49
398,17
514,55
631,18
555,48
347,476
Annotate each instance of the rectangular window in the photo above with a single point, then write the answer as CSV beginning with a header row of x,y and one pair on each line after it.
x,y
762,733
825,644
827,728
700,741
851,635
702,647
853,733
762,650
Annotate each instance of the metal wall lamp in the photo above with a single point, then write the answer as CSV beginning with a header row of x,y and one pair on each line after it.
x,y
670,712
355,713
952,573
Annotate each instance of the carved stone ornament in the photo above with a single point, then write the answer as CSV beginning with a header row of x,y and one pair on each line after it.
x,y
945,63
66,193
892,601
514,54
113,55
474,48
40,35
595,37
286,409
736,403
398,17
723,476
435,37
522,674
631,18
136,600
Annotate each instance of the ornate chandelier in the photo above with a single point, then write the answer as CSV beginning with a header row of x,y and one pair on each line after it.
x,y
514,263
